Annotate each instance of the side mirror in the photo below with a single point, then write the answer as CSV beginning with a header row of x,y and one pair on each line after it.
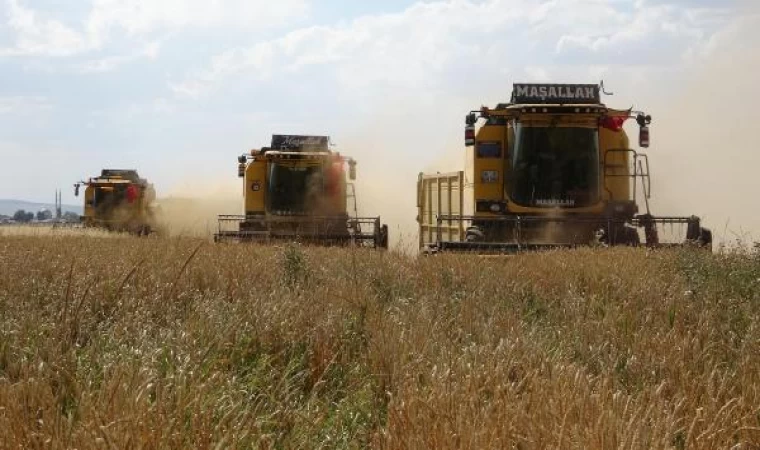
x,y
76,190
469,135
643,122
644,137
352,169
241,170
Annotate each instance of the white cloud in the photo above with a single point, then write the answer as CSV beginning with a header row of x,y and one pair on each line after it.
x,y
413,47
36,35
107,64
388,46
144,16
537,74
258,60
648,23
22,105
137,110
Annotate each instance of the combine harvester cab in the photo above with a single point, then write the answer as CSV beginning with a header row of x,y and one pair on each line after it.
x,y
551,169
296,190
118,200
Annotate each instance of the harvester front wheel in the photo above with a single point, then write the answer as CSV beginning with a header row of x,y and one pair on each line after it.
x,y
705,238
619,235
698,235
142,230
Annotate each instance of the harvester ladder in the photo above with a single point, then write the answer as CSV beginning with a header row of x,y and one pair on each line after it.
x,y
639,169
351,197
646,185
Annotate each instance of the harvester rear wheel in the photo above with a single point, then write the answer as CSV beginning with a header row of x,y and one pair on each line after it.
x,y
383,239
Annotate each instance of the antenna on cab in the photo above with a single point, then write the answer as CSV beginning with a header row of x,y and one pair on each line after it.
x,y
601,88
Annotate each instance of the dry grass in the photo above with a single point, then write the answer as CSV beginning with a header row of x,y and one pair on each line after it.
x,y
172,343
48,231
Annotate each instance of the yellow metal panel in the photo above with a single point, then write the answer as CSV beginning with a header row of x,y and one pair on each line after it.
x,y
255,186
618,185
493,190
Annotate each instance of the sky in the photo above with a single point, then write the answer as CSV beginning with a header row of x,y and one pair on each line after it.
x,y
178,88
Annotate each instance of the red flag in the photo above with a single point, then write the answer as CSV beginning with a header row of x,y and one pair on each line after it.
x,y
614,123
334,175
132,193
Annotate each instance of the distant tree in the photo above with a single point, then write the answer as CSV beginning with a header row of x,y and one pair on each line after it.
x,y
44,214
22,216
71,217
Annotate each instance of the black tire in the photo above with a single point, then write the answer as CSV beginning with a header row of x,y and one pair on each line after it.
x,y
383,238
622,235
705,238
630,237
474,234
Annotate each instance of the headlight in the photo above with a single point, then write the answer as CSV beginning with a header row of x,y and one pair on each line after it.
x,y
489,176
490,206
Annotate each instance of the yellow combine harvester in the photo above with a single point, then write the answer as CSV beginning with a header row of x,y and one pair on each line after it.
x,y
118,200
296,189
552,168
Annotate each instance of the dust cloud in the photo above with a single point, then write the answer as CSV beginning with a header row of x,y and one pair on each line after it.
x,y
393,201
180,214
392,144
705,153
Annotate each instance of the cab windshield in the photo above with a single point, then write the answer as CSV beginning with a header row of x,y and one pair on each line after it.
x,y
291,187
554,166
108,198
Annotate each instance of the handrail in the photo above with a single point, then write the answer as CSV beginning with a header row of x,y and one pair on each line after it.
x,y
640,165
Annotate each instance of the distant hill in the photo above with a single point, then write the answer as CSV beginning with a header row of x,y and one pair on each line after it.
x,y
8,207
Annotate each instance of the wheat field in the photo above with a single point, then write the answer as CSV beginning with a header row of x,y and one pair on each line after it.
x,y
181,343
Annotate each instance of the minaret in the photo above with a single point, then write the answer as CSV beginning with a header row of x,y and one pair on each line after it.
x,y
58,204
